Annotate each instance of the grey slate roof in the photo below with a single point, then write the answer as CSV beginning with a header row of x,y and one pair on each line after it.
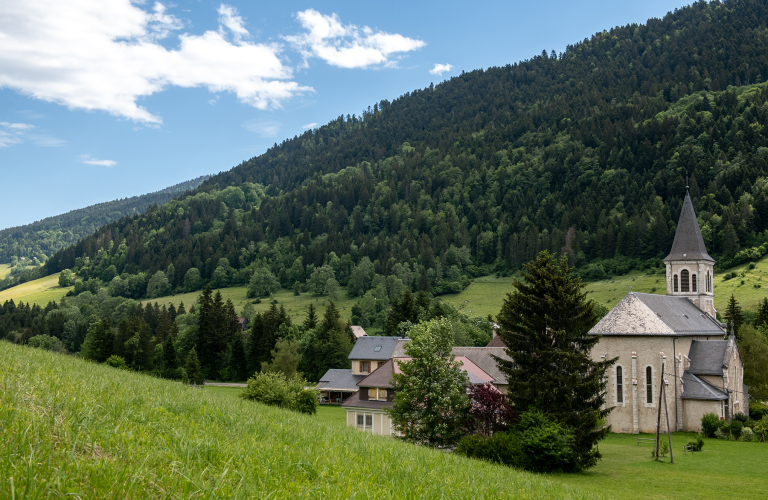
x,y
688,243
697,388
649,314
709,357
355,402
339,380
366,348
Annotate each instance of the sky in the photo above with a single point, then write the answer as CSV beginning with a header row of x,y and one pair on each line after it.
x,y
107,99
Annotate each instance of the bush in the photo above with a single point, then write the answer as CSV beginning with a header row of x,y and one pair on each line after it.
x,y
757,411
710,422
719,434
47,343
736,428
747,434
274,389
740,417
698,444
537,443
116,362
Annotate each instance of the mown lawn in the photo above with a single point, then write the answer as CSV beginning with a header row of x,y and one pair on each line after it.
x,y
70,428
724,468
40,291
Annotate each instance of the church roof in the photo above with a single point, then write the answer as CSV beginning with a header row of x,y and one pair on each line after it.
x,y
649,314
709,357
688,243
697,388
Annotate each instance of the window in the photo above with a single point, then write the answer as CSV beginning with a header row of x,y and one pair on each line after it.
x,y
693,283
365,420
365,366
377,394
684,281
648,385
675,280
619,385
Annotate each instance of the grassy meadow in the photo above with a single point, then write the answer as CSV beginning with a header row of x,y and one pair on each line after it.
x,y
296,306
40,291
73,428
5,270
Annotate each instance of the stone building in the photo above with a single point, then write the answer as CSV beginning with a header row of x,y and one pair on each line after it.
x,y
703,368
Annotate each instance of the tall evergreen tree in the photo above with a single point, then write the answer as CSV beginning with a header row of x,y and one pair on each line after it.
x,y
310,321
733,314
545,324
259,345
238,364
192,367
762,313
206,329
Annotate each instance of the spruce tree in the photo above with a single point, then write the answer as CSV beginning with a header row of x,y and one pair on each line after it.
x,y
733,314
545,324
192,367
310,321
238,365
762,313
205,328
259,344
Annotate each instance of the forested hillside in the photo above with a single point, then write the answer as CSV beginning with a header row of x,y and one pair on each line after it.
x,y
43,238
584,152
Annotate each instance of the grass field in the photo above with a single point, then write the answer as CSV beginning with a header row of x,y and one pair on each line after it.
x,y
77,429
5,270
39,291
628,471
295,306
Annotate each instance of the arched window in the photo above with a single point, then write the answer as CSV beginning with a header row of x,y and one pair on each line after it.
x,y
648,385
694,284
684,281
619,385
675,280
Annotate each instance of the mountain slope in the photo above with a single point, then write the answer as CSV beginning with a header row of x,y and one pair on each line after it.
x,y
584,153
43,238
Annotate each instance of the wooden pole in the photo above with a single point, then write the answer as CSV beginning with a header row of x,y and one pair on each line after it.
x,y
666,412
658,413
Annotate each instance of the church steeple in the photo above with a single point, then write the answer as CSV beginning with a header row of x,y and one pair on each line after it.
x,y
690,269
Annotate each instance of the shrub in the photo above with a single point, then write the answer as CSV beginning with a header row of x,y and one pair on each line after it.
x,y
757,411
47,343
761,428
740,417
274,389
710,422
736,428
537,443
719,434
698,444
116,362
747,434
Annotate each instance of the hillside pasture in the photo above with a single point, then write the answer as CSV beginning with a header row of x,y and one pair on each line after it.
x,y
5,270
40,291
77,429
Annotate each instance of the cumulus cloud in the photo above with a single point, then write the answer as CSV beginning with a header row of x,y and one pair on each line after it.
x,y
439,69
347,46
89,160
104,55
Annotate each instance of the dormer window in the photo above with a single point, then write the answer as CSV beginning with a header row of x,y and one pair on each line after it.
x,y
377,394
365,367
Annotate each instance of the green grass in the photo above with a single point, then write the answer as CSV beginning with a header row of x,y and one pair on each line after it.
x,y
77,429
5,270
628,471
40,291
295,306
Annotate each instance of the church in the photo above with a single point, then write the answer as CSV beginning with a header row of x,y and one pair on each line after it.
x,y
703,368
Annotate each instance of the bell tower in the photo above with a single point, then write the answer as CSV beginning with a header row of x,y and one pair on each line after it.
x,y
689,266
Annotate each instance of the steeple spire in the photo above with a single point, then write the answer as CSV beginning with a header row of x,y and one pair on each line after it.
x,y
688,244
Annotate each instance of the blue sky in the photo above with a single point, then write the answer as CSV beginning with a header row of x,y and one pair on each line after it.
x,y
106,99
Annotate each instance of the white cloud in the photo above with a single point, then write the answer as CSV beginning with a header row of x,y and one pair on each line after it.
x,y
89,160
310,125
347,46
439,69
266,129
104,55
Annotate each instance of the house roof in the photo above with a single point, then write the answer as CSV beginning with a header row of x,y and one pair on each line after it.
x,y
339,380
355,402
485,359
374,348
649,314
688,243
496,342
697,388
709,357
358,331
382,376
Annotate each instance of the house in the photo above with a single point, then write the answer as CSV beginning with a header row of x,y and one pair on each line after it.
x,y
703,371
243,322
367,408
358,331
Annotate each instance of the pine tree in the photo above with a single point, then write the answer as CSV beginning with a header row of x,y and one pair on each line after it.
x,y
259,344
192,367
734,315
181,309
100,341
310,322
205,328
762,313
545,324
238,365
